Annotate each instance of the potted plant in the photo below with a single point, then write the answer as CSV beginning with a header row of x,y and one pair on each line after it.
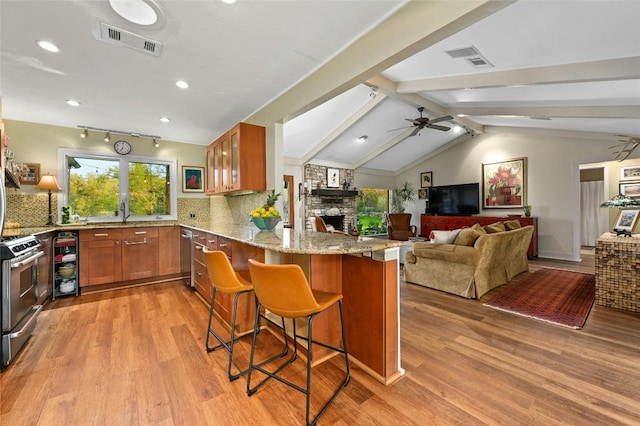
x,y
399,223
402,195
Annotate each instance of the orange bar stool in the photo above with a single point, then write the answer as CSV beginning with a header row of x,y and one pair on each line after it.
x,y
285,291
226,280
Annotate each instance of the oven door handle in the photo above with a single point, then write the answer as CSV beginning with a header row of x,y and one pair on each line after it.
x,y
28,260
20,332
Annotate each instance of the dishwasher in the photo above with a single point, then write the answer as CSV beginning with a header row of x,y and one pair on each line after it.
x,y
186,257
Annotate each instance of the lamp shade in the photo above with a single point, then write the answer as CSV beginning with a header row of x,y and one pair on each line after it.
x,y
620,201
48,182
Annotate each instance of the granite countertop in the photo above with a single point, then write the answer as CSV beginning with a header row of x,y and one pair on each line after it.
x,y
295,241
280,240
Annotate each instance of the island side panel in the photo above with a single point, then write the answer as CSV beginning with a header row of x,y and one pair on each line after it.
x,y
325,274
370,289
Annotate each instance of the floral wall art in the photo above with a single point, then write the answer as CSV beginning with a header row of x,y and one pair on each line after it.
x,y
504,184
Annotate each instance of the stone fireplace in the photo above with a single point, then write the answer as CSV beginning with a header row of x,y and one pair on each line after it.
x,y
336,206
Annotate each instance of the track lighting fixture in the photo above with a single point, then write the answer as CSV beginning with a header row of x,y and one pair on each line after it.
x,y
107,137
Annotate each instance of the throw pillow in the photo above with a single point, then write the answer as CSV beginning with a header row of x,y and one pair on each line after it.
x,y
468,237
476,226
512,224
495,227
444,237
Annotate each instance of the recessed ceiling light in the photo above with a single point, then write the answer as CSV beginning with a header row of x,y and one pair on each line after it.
x,y
71,102
141,12
182,84
229,1
165,119
362,138
48,46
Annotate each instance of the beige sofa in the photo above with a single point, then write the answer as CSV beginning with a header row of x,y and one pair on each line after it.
x,y
469,271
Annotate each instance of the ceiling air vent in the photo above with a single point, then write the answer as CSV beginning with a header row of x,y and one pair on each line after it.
x,y
463,53
121,37
479,62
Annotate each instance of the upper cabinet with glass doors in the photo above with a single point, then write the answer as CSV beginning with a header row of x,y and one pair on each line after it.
x,y
236,161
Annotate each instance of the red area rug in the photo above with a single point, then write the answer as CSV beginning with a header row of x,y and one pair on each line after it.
x,y
560,297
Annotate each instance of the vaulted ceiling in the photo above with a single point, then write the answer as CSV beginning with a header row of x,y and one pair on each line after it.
x,y
565,67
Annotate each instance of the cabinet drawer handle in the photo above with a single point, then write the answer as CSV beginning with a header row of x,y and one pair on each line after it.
x,y
140,232
211,241
144,241
223,245
100,235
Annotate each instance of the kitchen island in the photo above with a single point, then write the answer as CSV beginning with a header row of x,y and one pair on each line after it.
x,y
364,269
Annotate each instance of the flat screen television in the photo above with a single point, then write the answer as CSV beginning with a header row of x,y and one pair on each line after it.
x,y
454,200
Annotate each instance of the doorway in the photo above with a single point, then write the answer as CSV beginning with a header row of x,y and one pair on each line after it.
x,y
594,220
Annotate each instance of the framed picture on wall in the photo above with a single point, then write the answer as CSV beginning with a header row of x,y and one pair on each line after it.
x,y
626,220
30,174
426,179
630,189
333,178
192,179
630,173
423,193
504,184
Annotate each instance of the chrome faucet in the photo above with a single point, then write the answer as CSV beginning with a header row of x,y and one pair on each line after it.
x,y
123,209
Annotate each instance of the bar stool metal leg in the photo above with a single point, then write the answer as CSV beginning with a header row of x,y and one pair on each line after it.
x,y
228,345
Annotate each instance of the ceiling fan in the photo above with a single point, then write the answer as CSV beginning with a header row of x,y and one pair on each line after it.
x,y
424,122
626,147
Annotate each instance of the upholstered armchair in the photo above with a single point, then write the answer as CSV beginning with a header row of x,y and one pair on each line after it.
x,y
400,227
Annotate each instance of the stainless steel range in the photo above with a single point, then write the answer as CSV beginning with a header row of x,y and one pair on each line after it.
x,y
19,256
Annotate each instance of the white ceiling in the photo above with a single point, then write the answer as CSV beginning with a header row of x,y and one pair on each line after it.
x,y
574,62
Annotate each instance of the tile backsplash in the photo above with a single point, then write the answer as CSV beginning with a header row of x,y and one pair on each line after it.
x,y
31,210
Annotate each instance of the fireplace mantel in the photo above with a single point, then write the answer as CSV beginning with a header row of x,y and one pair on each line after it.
x,y
333,193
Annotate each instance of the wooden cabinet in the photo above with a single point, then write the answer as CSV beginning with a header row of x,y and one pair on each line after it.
x,y
169,250
139,253
237,160
201,280
100,256
429,223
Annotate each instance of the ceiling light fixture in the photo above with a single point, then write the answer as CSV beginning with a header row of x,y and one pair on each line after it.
x,y
229,1
362,138
48,46
72,103
107,137
165,119
85,133
141,12
182,84
155,143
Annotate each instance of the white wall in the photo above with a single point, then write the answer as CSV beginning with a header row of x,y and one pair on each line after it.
x,y
553,186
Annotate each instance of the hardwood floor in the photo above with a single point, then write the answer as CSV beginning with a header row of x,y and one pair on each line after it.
x,y
137,356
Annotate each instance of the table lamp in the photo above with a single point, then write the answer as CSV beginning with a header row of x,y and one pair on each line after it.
x,y
50,183
618,202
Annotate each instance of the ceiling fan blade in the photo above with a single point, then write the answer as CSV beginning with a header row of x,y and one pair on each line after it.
x,y
415,131
399,128
437,127
439,119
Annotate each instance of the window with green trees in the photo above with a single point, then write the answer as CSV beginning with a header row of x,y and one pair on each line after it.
x,y
107,188
372,207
